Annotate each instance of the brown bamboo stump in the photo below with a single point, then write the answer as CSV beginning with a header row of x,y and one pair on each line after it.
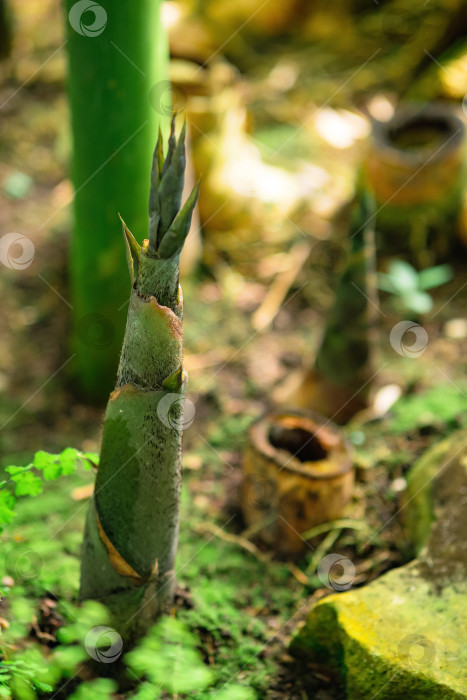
x,y
416,156
298,473
415,169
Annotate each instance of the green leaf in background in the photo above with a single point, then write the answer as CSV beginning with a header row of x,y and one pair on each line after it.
x,y
409,286
385,283
54,466
420,302
16,470
236,692
7,503
17,185
403,276
441,405
146,691
67,658
47,463
90,459
27,484
168,657
89,614
21,675
434,276
68,459
100,689
44,687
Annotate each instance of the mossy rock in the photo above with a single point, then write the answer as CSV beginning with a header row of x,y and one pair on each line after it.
x,y
403,636
398,638
429,488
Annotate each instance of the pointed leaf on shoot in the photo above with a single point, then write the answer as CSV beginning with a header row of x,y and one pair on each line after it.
x,y
174,381
173,240
154,202
171,186
171,147
133,250
160,154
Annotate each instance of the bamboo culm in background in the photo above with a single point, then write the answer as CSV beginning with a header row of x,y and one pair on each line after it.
x,y
115,109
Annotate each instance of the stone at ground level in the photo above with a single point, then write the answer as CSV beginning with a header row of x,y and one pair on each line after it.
x,y
405,635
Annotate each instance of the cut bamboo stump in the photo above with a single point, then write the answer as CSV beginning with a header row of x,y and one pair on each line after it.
x,y
415,169
298,473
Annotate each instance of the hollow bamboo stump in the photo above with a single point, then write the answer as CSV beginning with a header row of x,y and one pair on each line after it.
x,y
298,473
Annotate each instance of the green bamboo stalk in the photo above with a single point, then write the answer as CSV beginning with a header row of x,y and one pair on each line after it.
x,y
117,58
132,524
